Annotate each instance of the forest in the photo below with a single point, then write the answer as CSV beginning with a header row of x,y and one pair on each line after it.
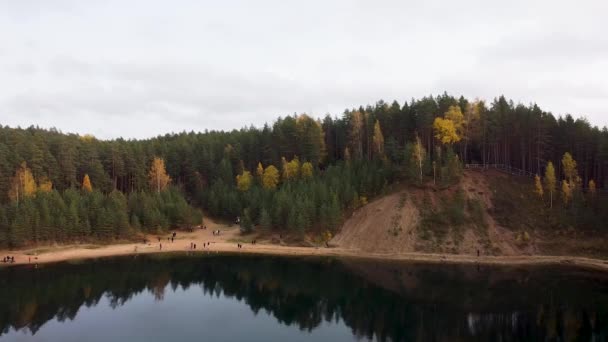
x,y
297,174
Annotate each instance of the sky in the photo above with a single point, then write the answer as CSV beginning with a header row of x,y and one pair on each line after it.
x,y
137,69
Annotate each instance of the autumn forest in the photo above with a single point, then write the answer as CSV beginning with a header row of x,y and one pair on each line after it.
x,y
298,174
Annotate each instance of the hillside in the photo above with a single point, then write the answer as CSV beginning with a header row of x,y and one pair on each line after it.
x,y
488,211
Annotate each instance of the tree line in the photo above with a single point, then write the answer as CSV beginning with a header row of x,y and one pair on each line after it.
x,y
300,172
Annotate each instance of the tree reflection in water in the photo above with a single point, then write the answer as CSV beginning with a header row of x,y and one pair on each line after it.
x,y
378,300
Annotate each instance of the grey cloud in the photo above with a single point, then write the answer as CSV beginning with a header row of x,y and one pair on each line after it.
x,y
86,67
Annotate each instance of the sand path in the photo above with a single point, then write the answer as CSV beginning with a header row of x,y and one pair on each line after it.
x,y
225,242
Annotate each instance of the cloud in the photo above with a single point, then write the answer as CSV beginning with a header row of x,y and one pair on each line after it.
x,y
151,68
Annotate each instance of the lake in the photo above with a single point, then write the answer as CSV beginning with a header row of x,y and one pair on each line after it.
x,y
265,298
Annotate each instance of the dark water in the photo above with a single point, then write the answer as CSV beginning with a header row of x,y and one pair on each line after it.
x,y
255,298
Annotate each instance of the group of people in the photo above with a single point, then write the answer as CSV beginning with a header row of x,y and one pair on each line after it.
x,y
216,232
8,259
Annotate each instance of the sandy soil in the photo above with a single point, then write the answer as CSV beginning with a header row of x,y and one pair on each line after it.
x,y
226,242
389,223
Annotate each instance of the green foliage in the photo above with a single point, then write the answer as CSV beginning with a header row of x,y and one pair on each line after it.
x,y
75,216
246,224
340,151
452,214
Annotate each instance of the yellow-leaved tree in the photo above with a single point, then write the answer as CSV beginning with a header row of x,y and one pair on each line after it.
x,y
378,141
569,165
291,170
158,177
306,170
538,187
86,183
22,184
419,155
243,181
454,114
445,131
271,177
550,181
45,185
259,172
566,192
592,188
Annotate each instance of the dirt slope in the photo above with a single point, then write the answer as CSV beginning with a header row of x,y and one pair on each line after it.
x,y
391,224
385,225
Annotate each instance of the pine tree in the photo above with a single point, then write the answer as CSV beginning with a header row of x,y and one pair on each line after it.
x,y
265,219
334,212
246,224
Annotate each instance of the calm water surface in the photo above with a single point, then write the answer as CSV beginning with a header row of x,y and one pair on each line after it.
x,y
261,298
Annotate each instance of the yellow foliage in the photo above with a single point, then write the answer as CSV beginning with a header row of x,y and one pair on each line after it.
x,y
87,137
45,185
259,172
363,200
445,131
538,186
592,188
378,140
291,170
454,114
307,170
158,177
22,184
271,177
243,181
550,180
419,155
569,165
86,183
327,236
566,192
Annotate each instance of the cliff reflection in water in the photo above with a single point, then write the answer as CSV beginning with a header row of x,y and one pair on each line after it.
x,y
376,300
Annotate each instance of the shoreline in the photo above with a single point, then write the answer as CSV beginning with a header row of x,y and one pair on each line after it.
x,y
72,253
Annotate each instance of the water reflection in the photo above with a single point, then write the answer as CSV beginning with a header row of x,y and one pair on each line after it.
x,y
375,300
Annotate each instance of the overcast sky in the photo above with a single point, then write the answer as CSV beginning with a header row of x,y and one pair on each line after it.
x,y
142,68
